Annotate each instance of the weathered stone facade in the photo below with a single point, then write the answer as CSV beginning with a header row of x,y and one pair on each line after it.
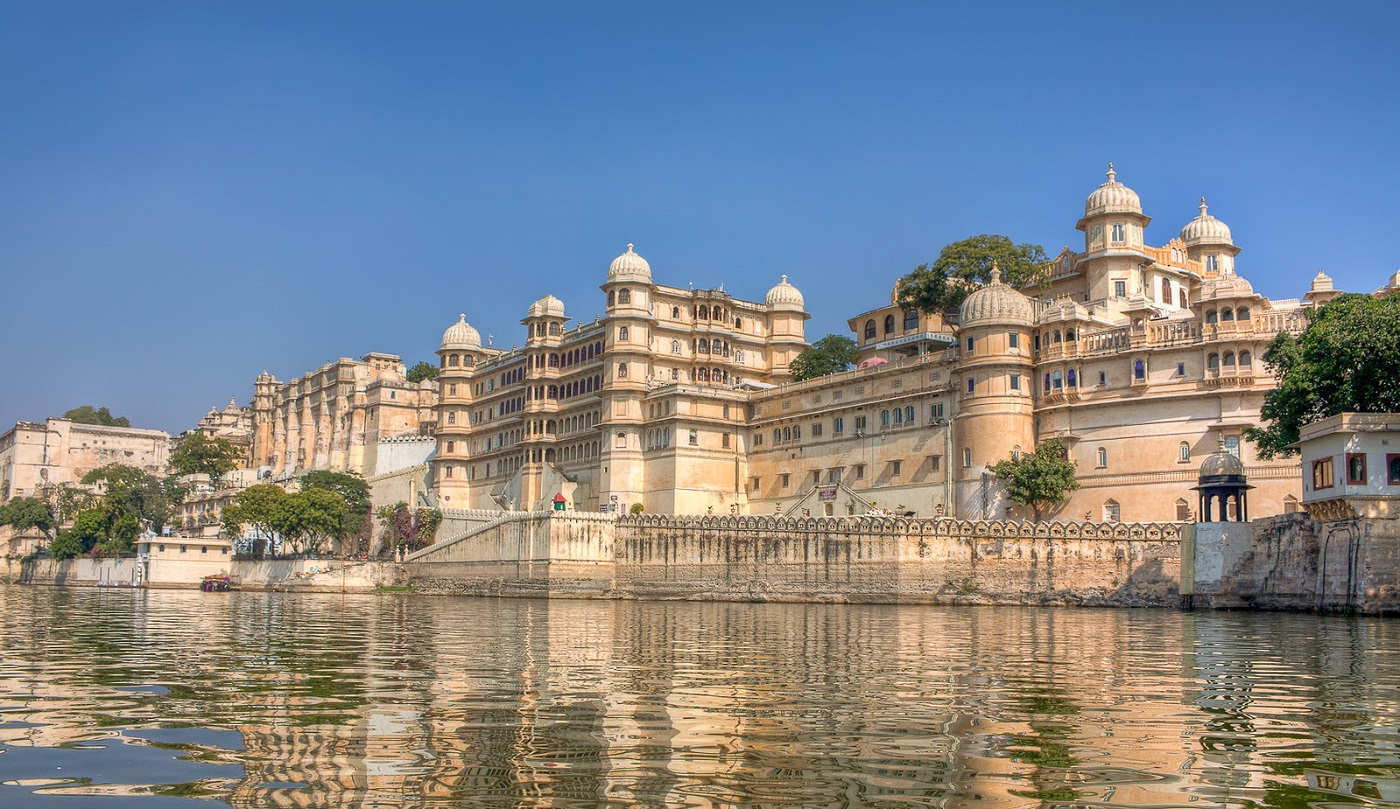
x,y
864,559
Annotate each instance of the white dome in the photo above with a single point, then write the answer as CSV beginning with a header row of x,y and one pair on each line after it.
x,y
548,306
1205,229
1226,286
1322,282
1112,197
997,303
630,267
785,296
461,336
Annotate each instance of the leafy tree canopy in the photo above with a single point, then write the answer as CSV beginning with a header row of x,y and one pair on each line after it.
x,y
25,513
202,455
1038,479
407,528
258,508
831,354
422,371
88,415
1346,360
357,525
89,529
311,518
130,491
963,266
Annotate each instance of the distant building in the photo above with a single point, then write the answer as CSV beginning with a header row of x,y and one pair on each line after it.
x,y
234,424
36,455
1142,360
334,417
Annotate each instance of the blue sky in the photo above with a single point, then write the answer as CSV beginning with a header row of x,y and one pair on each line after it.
x,y
191,192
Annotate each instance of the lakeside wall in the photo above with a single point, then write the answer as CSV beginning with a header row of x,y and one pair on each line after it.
x,y
311,575
855,559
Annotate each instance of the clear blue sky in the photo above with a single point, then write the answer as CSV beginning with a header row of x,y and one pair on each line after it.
x,y
191,192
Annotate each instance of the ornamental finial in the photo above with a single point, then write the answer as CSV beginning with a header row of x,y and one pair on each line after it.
x,y
1112,175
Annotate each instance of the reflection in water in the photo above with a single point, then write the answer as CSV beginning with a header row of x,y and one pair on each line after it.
x,y
154,698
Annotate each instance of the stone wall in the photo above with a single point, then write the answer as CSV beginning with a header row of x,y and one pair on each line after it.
x,y
318,575
1294,562
866,559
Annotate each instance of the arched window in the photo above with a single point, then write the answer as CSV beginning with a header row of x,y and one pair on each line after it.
x,y
702,345
452,360
1181,297
884,418
1242,314
1229,361
1227,314
1056,381
911,320
1183,452
622,332
1211,316
777,435
1016,452
787,433
675,346
870,329
1139,370
1246,360
703,313
1213,362
1212,263
624,296
1102,457
909,414
1069,335
702,375
621,370
797,433
1119,233
553,392
675,313
1073,379
1046,389
553,360
738,324
899,415
889,324
612,298
554,328
1166,291
1183,510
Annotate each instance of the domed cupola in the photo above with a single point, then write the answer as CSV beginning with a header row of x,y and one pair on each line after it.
x,y
1223,488
1112,197
548,306
996,304
630,267
1206,230
460,336
785,296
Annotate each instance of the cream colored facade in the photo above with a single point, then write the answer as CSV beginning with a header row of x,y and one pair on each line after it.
x,y
334,417
34,455
645,404
234,424
1142,359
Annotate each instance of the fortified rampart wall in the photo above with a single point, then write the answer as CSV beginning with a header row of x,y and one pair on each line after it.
x,y
865,559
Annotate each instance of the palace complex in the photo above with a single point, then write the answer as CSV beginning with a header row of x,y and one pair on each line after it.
x,y
1142,360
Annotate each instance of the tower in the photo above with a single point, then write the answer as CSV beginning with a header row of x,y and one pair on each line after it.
x,y
627,366
995,418
458,355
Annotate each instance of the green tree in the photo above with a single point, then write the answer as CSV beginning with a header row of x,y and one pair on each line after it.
x,y
311,519
131,491
355,533
25,513
89,529
201,455
1346,360
258,508
422,371
963,266
829,355
1038,479
87,415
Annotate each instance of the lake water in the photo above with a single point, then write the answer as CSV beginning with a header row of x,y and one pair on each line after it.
x,y
153,699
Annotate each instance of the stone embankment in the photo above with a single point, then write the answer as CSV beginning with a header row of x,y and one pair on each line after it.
x,y
304,575
834,559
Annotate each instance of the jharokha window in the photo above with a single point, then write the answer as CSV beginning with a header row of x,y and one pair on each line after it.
x,y
1322,473
1392,467
1356,469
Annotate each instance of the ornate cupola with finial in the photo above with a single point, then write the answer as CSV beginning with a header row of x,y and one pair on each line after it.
x,y
1208,241
1113,217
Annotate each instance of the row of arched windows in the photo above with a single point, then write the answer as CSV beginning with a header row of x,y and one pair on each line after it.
x,y
568,358
1227,314
620,296
577,452
898,416
659,439
539,329
1228,361
458,361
